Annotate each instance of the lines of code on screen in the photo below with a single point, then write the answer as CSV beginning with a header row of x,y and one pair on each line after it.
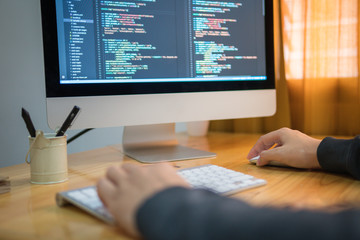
x,y
160,40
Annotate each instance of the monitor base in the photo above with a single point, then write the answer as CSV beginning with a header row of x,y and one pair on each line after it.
x,y
157,143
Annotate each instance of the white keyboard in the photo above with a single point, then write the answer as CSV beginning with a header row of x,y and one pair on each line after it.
x,y
219,179
212,177
86,199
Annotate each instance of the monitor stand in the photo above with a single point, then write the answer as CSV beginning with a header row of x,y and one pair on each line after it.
x,y
157,143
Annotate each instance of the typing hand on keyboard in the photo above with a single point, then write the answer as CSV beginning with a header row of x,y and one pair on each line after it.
x,y
214,178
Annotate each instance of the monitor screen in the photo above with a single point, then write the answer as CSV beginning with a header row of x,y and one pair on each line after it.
x,y
109,47
139,62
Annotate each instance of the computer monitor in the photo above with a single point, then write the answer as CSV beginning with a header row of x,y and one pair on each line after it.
x,y
147,64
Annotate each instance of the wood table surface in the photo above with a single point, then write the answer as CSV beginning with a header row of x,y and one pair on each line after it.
x,y
29,211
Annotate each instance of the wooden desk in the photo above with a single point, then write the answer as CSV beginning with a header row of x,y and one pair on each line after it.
x,y
29,211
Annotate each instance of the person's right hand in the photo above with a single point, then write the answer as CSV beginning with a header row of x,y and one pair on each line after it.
x,y
292,148
124,188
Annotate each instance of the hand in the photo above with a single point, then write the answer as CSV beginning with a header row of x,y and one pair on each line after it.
x,y
292,148
126,187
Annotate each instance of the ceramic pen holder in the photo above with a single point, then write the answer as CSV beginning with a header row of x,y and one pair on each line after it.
x,y
48,158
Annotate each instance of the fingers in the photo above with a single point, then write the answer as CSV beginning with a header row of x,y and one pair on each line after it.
x,y
275,154
115,174
265,142
105,189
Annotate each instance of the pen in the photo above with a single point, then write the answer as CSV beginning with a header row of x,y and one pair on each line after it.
x,y
68,121
29,125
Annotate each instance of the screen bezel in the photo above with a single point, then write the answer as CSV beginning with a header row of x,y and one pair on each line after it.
x,y
55,89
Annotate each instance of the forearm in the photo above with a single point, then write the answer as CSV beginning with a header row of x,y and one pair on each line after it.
x,y
339,155
179,213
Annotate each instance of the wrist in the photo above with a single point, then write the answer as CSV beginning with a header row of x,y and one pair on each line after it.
x,y
314,156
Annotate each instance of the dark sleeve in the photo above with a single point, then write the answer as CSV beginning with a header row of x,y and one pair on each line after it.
x,y
339,155
179,213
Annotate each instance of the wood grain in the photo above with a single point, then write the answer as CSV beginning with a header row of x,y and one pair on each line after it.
x,y
29,211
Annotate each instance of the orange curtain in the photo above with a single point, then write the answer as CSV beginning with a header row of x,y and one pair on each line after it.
x,y
317,63
321,55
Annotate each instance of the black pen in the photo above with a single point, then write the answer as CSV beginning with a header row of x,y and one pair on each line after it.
x,y
68,121
29,125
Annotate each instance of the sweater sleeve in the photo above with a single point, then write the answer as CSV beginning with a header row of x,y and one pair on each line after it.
x,y
339,155
180,213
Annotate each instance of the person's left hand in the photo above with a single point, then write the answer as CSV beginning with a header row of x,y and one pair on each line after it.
x,y
126,187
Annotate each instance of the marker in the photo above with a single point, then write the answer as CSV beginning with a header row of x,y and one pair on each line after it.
x,y
29,125
68,121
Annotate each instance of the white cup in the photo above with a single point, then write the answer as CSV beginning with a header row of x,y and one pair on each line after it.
x,y
48,158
